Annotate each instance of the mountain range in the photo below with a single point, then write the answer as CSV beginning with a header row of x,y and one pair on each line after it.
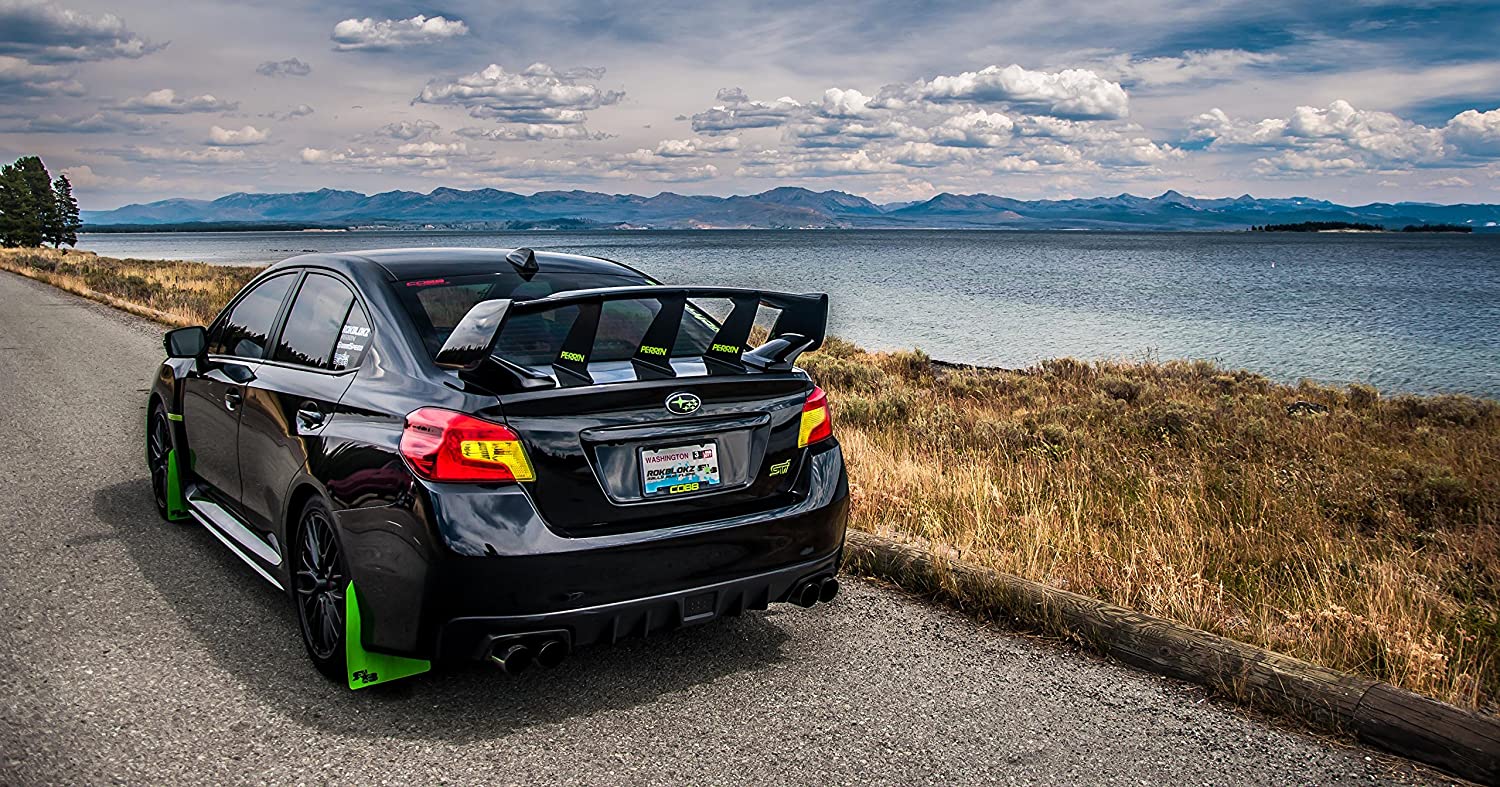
x,y
780,208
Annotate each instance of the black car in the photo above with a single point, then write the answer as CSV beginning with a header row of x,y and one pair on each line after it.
x,y
450,454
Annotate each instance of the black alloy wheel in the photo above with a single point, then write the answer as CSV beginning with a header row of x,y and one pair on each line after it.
x,y
320,582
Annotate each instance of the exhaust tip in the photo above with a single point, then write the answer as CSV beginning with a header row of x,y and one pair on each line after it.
x,y
551,653
807,595
828,589
514,659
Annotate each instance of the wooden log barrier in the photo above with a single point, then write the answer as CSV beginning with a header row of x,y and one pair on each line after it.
x,y
1462,742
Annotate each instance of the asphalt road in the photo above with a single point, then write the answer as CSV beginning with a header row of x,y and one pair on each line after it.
x,y
134,650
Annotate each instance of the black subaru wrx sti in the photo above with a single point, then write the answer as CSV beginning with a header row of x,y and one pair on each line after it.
x,y
449,454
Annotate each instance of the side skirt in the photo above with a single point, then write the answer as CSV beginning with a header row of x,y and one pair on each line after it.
x,y
370,669
221,523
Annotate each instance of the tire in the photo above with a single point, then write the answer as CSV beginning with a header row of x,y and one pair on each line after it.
x,y
158,454
320,579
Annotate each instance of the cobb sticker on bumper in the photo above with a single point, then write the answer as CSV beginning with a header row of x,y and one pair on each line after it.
x,y
687,468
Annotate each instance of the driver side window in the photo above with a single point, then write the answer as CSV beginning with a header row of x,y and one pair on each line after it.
x,y
246,329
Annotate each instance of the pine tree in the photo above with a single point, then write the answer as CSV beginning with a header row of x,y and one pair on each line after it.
x,y
68,221
44,204
19,224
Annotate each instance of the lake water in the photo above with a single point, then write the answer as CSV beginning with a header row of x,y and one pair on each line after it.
x,y
1405,313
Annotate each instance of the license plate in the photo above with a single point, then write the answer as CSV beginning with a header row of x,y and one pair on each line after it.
x,y
680,469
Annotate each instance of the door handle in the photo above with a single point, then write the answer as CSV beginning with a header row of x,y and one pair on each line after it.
x,y
310,417
233,398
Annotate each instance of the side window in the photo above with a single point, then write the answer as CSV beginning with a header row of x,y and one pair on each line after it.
x,y
354,340
245,331
313,325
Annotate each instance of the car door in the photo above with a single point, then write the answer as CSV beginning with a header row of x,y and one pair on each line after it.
x,y
214,390
320,345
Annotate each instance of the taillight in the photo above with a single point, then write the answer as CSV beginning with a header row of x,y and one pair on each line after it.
x,y
816,425
441,445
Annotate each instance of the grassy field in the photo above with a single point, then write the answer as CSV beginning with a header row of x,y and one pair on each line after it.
x,y
178,293
1348,528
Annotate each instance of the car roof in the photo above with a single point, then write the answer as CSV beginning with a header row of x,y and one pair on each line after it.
x,y
422,263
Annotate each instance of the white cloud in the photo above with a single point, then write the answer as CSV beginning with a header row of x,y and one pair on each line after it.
x,y
166,101
1215,126
736,111
811,164
1071,93
538,94
977,129
408,129
370,33
1293,162
531,132
1198,66
19,77
84,177
697,146
299,111
291,67
838,103
248,135
925,155
430,149
1340,136
926,126
94,123
1449,183
819,132
1134,152
656,166
155,154
1474,132
426,155
41,31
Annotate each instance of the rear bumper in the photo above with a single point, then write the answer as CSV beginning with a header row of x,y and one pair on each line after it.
x,y
470,637
459,565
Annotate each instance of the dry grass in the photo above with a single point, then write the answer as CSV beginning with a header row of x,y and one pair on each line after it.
x,y
1362,538
177,293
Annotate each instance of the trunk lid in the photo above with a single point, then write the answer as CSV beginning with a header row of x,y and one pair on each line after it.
x,y
594,447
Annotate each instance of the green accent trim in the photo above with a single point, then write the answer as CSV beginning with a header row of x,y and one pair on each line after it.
x,y
177,509
174,416
366,668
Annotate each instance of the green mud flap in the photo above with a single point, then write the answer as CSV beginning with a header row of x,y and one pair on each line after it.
x,y
177,509
366,668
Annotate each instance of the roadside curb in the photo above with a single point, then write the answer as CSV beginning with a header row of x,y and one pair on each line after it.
x,y
1462,742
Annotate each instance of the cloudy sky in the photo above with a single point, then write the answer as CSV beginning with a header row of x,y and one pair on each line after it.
x,y
1353,101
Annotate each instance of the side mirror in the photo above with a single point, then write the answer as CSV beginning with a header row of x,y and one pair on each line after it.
x,y
188,342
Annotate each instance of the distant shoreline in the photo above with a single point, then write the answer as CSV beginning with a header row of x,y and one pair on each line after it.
x,y
146,229
1360,227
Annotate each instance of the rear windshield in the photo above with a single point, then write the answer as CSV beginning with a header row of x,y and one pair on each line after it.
x,y
437,305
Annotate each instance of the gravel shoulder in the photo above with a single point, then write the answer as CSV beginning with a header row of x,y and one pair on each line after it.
x,y
133,650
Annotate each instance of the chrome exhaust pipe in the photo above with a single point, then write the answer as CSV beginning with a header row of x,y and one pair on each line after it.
x,y
551,653
828,589
513,660
807,595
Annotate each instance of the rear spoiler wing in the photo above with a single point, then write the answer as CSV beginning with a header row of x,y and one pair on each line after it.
x,y
801,326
